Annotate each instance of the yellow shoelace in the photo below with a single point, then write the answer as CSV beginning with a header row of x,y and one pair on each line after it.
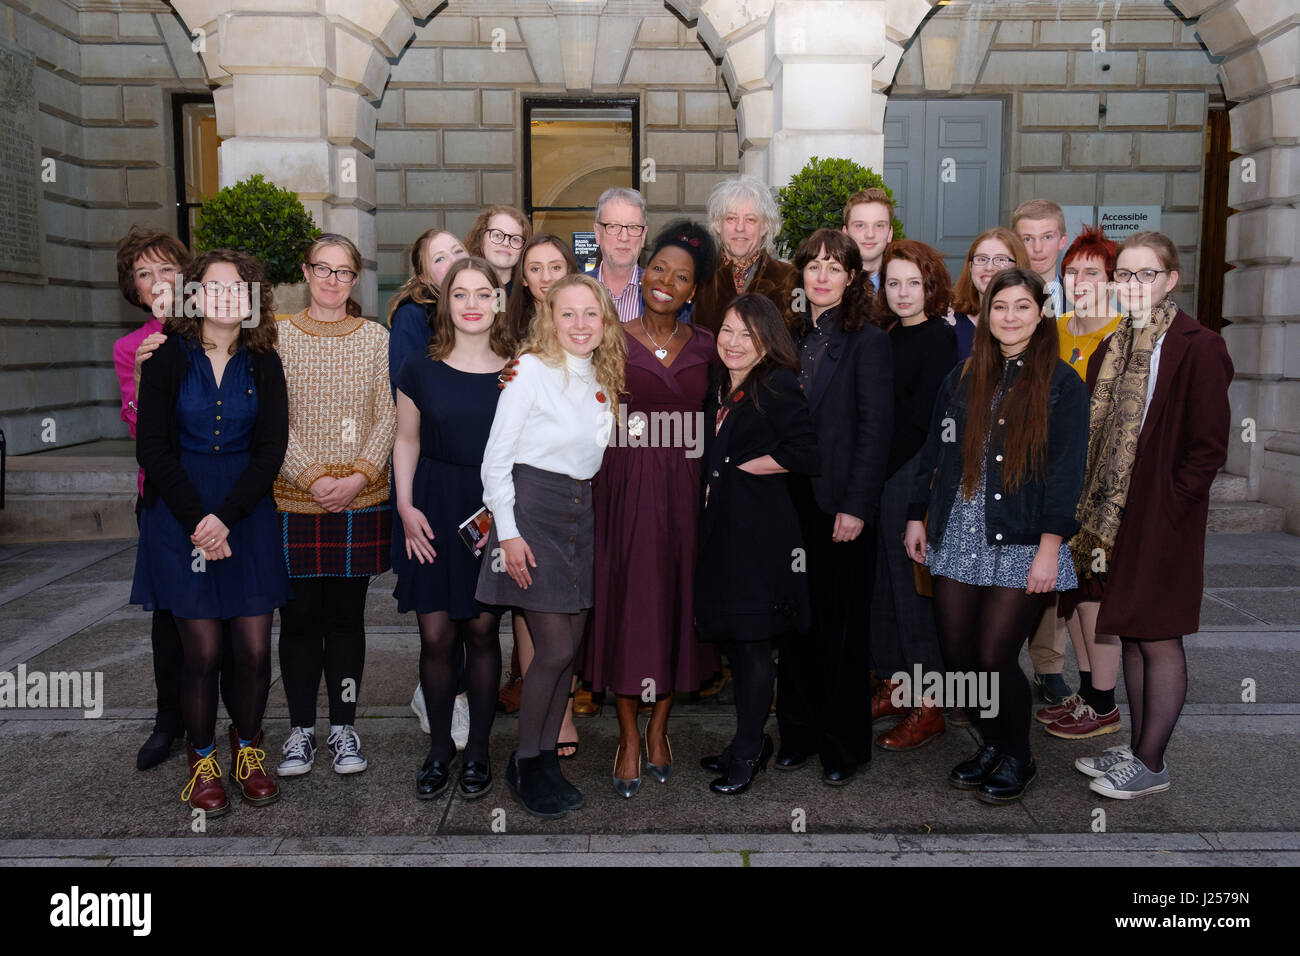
x,y
246,760
207,769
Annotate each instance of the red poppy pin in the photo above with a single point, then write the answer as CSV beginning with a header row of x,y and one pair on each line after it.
x,y
737,397
600,397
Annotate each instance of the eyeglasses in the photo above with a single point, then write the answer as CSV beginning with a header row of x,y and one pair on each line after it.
x,y
1002,262
1145,276
322,271
213,287
499,238
632,229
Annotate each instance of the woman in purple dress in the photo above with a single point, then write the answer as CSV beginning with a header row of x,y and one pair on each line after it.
x,y
642,640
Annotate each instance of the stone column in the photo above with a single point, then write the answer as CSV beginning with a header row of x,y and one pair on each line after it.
x,y
1260,42
807,75
298,80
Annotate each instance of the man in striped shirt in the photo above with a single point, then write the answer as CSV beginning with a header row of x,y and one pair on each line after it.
x,y
620,234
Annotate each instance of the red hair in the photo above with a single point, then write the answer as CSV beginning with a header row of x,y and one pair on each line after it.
x,y
934,275
1092,242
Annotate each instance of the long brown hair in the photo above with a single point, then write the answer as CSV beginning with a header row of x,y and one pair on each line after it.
x,y
1024,409
856,308
257,338
934,276
770,334
415,288
444,330
522,308
965,297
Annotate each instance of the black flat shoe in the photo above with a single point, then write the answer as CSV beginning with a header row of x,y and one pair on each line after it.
x,y
970,774
741,773
155,750
838,776
569,795
790,759
475,779
1008,781
432,779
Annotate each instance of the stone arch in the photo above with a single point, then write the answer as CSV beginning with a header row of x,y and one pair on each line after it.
x,y
295,99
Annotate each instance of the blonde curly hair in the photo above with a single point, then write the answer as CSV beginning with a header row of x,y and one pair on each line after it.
x,y
608,359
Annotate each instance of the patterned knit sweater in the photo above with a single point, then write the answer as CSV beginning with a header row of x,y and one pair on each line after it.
x,y
341,413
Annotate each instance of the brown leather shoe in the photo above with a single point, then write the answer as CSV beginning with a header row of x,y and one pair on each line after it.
x,y
881,704
204,791
255,786
919,727
583,705
508,696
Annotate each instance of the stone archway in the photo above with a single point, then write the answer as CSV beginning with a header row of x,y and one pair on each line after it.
x,y
1260,72
295,100
779,57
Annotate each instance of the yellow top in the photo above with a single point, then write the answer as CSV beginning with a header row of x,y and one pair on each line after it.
x,y
341,413
1076,350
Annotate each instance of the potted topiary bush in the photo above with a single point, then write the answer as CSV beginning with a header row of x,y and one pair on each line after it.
x,y
265,221
815,199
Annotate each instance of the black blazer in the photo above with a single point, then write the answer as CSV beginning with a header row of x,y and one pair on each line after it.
x,y
158,436
748,570
1041,505
852,403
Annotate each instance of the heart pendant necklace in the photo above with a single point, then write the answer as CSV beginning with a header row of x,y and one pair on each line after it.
x,y
661,351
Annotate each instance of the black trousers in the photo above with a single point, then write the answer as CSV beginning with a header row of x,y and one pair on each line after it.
x,y
168,655
823,696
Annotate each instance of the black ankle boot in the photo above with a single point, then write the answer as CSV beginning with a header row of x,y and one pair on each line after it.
x,y
528,783
155,750
569,795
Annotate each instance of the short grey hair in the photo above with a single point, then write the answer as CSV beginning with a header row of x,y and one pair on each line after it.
x,y
746,188
621,194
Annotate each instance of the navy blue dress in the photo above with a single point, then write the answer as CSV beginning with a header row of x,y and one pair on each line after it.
x,y
214,452
456,412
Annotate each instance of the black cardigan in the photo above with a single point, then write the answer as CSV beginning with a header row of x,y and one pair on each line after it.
x,y
158,437
1041,505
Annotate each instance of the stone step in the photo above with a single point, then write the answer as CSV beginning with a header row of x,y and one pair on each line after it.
x,y
68,498
1229,487
1244,517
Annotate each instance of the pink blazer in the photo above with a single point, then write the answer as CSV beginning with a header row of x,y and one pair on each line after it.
x,y
124,362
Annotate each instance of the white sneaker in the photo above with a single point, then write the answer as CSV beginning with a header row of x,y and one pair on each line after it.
x,y
1098,766
417,705
298,752
346,747
460,722
1131,779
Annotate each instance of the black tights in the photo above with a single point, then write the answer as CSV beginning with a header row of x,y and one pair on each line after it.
x,y
323,630
250,639
556,639
440,679
1155,676
981,631
754,674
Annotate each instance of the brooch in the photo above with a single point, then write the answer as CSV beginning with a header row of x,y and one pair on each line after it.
x,y
600,397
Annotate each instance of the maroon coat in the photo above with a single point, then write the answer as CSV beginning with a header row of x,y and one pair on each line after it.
x,y
1153,588
772,278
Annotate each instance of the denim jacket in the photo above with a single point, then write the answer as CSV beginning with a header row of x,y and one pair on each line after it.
x,y
1042,504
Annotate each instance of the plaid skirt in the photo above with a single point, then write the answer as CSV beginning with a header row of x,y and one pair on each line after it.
x,y
346,544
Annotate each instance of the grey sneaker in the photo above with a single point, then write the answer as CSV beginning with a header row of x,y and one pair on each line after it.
x,y
298,752
1097,766
346,747
1131,779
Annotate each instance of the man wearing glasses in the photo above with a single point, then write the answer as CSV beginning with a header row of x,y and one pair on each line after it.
x,y
620,234
1040,224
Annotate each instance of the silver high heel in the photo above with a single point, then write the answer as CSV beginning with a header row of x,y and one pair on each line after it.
x,y
625,788
659,772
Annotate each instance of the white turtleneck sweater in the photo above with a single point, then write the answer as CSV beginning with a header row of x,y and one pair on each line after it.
x,y
548,418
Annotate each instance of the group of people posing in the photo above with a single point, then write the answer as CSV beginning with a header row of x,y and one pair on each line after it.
x,y
863,419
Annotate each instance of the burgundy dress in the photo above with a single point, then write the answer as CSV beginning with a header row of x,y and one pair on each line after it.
x,y
646,500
